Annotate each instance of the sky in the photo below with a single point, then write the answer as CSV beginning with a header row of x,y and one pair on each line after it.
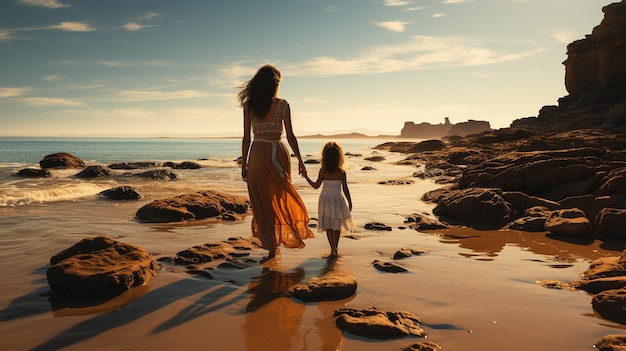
x,y
173,68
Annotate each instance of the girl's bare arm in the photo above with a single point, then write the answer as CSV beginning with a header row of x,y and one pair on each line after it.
x,y
346,191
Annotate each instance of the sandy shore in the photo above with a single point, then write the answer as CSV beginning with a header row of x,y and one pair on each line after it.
x,y
473,290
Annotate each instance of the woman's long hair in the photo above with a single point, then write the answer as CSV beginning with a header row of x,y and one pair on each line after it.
x,y
332,157
258,92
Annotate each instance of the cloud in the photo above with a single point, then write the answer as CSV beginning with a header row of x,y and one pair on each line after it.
x,y
154,63
416,8
454,1
148,16
5,35
438,15
72,27
51,77
565,36
13,92
44,101
394,26
396,2
420,52
133,27
151,95
50,4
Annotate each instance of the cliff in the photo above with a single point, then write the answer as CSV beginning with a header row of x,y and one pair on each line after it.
x,y
436,131
595,78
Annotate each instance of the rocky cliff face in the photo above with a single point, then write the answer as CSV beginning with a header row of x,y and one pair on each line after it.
x,y
595,78
426,130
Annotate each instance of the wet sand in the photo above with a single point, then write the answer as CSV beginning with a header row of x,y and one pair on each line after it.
x,y
473,290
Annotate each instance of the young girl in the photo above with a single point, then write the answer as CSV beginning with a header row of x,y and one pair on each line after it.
x,y
333,213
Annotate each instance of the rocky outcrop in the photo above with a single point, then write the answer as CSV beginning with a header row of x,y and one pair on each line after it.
x,y
595,78
376,324
61,160
331,286
121,193
133,165
495,178
426,130
34,173
182,165
158,174
99,266
195,206
94,172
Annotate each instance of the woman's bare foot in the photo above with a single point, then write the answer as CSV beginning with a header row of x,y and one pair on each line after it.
x,y
270,255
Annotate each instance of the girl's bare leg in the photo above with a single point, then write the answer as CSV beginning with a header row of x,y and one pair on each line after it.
x,y
330,235
336,235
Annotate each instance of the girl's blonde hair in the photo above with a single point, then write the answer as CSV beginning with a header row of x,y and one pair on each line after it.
x,y
332,157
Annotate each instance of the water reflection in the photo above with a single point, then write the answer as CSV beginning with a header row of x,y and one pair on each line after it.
x,y
274,321
488,244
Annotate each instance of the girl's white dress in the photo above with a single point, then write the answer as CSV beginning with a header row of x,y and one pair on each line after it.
x,y
332,209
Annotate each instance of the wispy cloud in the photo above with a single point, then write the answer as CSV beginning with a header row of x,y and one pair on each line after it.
x,y
420,52
50,4
454,1
72,27
13,92
51,77
148,16
438,15
135,26
396,2
416,8
565,36
45,101
394,26
154,63
152,95
5,36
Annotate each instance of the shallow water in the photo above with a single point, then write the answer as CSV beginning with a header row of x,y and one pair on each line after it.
x,y
473,290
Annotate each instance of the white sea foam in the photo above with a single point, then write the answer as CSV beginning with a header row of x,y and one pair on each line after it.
x,y
24,196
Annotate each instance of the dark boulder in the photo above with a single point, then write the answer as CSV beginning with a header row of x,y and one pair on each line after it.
x,y
121,193
34,173
61,160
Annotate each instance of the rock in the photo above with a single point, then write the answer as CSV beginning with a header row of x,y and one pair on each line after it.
x,y
611,305
99,266
312,162
522,202
612,342
529,224
407,252
595,79
210,252
396,182
612,222
331,286
426,130
389,267
94,172
133,165
567,222
375,158
121,193
368,168
423,222
604,267
421,346
614,183
598,285
374,324
182,165
195,206
158,174
61,160
478,206
377,226
34,173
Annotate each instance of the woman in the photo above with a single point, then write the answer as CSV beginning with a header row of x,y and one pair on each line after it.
x,y
279,215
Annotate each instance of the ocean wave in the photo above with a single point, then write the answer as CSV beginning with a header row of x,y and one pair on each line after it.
x,y
25,196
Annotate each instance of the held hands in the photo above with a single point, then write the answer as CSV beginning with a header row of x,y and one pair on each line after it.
x,y
301,168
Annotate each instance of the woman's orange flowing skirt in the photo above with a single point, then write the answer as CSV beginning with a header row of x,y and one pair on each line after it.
x,y
279,214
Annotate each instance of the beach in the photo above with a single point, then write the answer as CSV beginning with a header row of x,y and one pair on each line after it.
x,y
471,289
